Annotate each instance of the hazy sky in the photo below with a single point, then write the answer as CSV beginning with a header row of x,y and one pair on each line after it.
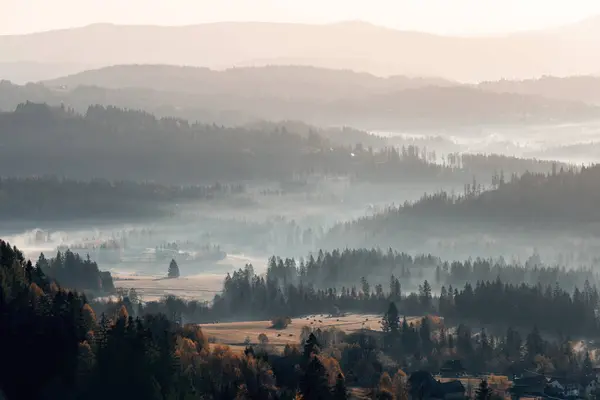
x,y
439,16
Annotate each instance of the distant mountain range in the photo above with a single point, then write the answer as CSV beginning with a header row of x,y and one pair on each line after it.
x,y
569,50
285,82
574,88
314,95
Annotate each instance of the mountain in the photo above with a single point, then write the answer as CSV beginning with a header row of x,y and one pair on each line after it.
x,y
358,46
555,212
574,88
293,82
22,72
312,101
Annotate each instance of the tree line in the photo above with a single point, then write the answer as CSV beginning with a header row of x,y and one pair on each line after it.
x,y
51,198
532,199
534,203
114,143
498,304
336,268
70,270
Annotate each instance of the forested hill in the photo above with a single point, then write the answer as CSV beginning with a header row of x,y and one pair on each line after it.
x,y
112,143
412,106
577,88
53,199
563,199
299,82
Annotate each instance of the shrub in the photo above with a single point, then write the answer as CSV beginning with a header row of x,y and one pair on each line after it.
x,y
280,322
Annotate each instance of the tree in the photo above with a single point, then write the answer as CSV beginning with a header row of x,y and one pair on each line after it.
x,y
314,384
534,343
425,296
391,320
339,390
173,269
311,346
483,391
399,385
263,339
89,318
366,288
587,369
280,322
385,388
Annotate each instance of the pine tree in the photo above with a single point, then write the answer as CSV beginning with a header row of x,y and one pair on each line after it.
x,y
339,390
425,296
173,269
314,384
311,346
391,320
483,392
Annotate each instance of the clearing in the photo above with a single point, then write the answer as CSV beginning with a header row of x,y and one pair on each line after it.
x,y
233,334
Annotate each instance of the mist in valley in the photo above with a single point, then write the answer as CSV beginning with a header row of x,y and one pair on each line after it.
x,y
341,206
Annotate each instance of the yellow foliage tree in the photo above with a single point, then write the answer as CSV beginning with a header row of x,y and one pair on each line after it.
x,y
194,333
385,382
399,385
53,288
332,366
123,314
89,317
186,351
35,290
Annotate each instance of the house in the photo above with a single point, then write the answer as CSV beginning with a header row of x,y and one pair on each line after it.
x,y
565,387
591,387
529,386
452,369
452,390
424,387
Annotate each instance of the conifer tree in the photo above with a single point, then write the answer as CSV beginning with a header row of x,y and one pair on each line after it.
x,y
391,320
339,390
314,383
483,391
173,269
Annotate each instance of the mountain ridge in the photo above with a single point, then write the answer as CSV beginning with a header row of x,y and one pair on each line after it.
x,y
568,51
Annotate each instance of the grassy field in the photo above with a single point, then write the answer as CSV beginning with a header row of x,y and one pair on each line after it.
x,y
233,334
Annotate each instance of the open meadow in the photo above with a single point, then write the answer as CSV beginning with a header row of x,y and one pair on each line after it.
x,y
234,334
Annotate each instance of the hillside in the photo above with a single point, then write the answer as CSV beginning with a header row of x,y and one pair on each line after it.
x,y
113,143
296,82
315,96
574,88
352,45
555,211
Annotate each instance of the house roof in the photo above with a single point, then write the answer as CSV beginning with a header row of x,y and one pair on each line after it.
x,y
531,380
452,365
452,387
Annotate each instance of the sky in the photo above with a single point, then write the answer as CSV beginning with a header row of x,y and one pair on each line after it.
x,y
452,17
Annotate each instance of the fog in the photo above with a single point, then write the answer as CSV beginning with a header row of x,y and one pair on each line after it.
x,y
298,207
